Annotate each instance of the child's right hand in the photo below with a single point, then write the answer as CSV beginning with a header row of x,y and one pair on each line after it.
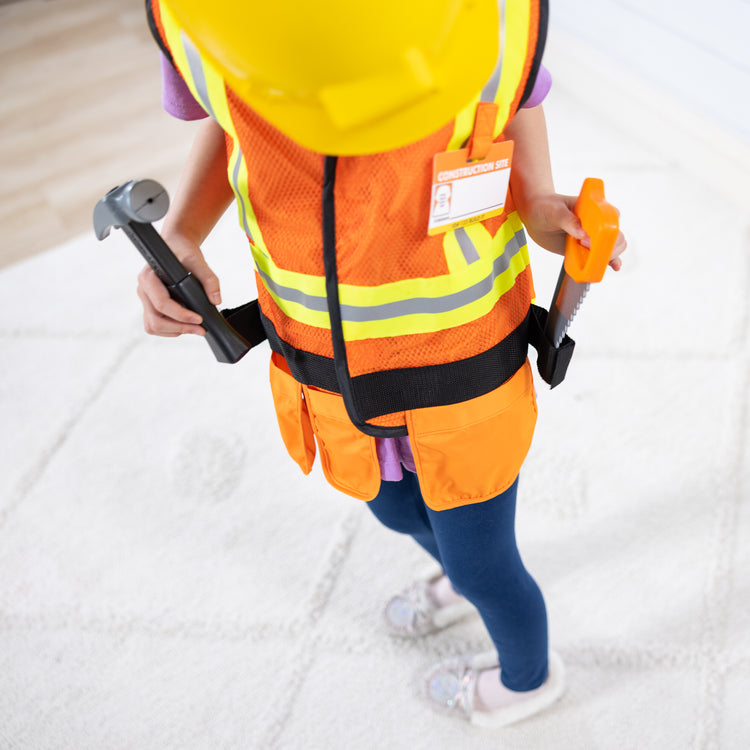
x,y
162,316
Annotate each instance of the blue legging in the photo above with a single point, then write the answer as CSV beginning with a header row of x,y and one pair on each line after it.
x,y
476,547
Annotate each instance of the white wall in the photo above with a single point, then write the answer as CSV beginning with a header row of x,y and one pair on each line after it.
x,y
697,51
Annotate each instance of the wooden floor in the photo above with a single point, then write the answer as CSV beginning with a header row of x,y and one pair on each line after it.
x,y
80,112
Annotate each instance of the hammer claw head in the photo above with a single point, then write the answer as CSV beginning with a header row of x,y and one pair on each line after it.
x,y
140,201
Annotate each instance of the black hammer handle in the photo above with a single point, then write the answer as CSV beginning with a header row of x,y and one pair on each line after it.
x,y
132,207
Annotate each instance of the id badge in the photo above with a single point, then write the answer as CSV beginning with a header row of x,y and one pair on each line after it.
x,y
464,192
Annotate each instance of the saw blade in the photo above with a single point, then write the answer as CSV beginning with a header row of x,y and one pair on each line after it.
x,y
565,303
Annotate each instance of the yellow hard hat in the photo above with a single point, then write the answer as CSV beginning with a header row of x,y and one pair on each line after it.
x,y
349,76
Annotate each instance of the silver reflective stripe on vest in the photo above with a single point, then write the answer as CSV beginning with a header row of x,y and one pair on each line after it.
x,y
196,72
290,294
239,158
413,306
195,63
490,88
467,246
489,92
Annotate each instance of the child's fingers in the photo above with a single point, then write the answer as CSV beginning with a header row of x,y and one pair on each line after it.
x,y
569,222
196,264
163,316
157,296
620,246
190,255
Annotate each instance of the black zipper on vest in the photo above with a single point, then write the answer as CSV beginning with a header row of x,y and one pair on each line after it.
x,y
341,362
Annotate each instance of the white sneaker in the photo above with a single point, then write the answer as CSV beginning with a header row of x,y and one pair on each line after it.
x,y
451,687
414,613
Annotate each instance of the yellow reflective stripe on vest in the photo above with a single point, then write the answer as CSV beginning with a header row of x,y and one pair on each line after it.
x,y
462,126
208,88
515,26
409,306
507,76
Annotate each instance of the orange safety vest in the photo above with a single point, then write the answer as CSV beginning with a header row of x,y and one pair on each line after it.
x,y
377,328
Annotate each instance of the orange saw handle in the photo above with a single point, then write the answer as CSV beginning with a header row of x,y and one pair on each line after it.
x,y
601,223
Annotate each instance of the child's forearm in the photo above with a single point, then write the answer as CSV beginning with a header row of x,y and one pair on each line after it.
x,y
199,202
204,192
547,215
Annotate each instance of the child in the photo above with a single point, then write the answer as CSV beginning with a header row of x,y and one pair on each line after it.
x,y
400,356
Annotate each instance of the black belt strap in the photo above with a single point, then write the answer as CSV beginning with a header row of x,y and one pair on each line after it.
x,y
413,387
246,320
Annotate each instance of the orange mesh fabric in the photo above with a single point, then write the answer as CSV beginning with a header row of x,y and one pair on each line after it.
x,y
382,204
284,186
382,209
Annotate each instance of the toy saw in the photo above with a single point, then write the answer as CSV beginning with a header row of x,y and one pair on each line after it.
x,y
583,265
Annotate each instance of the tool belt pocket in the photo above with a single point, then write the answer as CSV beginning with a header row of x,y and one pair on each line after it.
x,y
471,452
292,414
349,457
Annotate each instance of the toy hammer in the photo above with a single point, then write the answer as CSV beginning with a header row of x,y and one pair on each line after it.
x,y
132,207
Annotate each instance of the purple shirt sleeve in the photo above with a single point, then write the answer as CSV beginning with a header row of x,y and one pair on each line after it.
x,y
541,88
175,95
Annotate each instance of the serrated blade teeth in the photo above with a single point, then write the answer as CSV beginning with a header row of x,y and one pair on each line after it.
x,y
568,302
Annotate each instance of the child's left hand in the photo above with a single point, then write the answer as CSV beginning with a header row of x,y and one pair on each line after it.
x,y
549,217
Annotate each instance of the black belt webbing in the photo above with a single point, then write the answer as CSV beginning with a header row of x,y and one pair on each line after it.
x,y
415,387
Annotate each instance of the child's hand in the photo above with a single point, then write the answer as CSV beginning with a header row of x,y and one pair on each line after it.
x,y
549,217
162,316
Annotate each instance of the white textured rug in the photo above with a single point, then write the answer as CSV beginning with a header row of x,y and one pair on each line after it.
x,y
168,579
